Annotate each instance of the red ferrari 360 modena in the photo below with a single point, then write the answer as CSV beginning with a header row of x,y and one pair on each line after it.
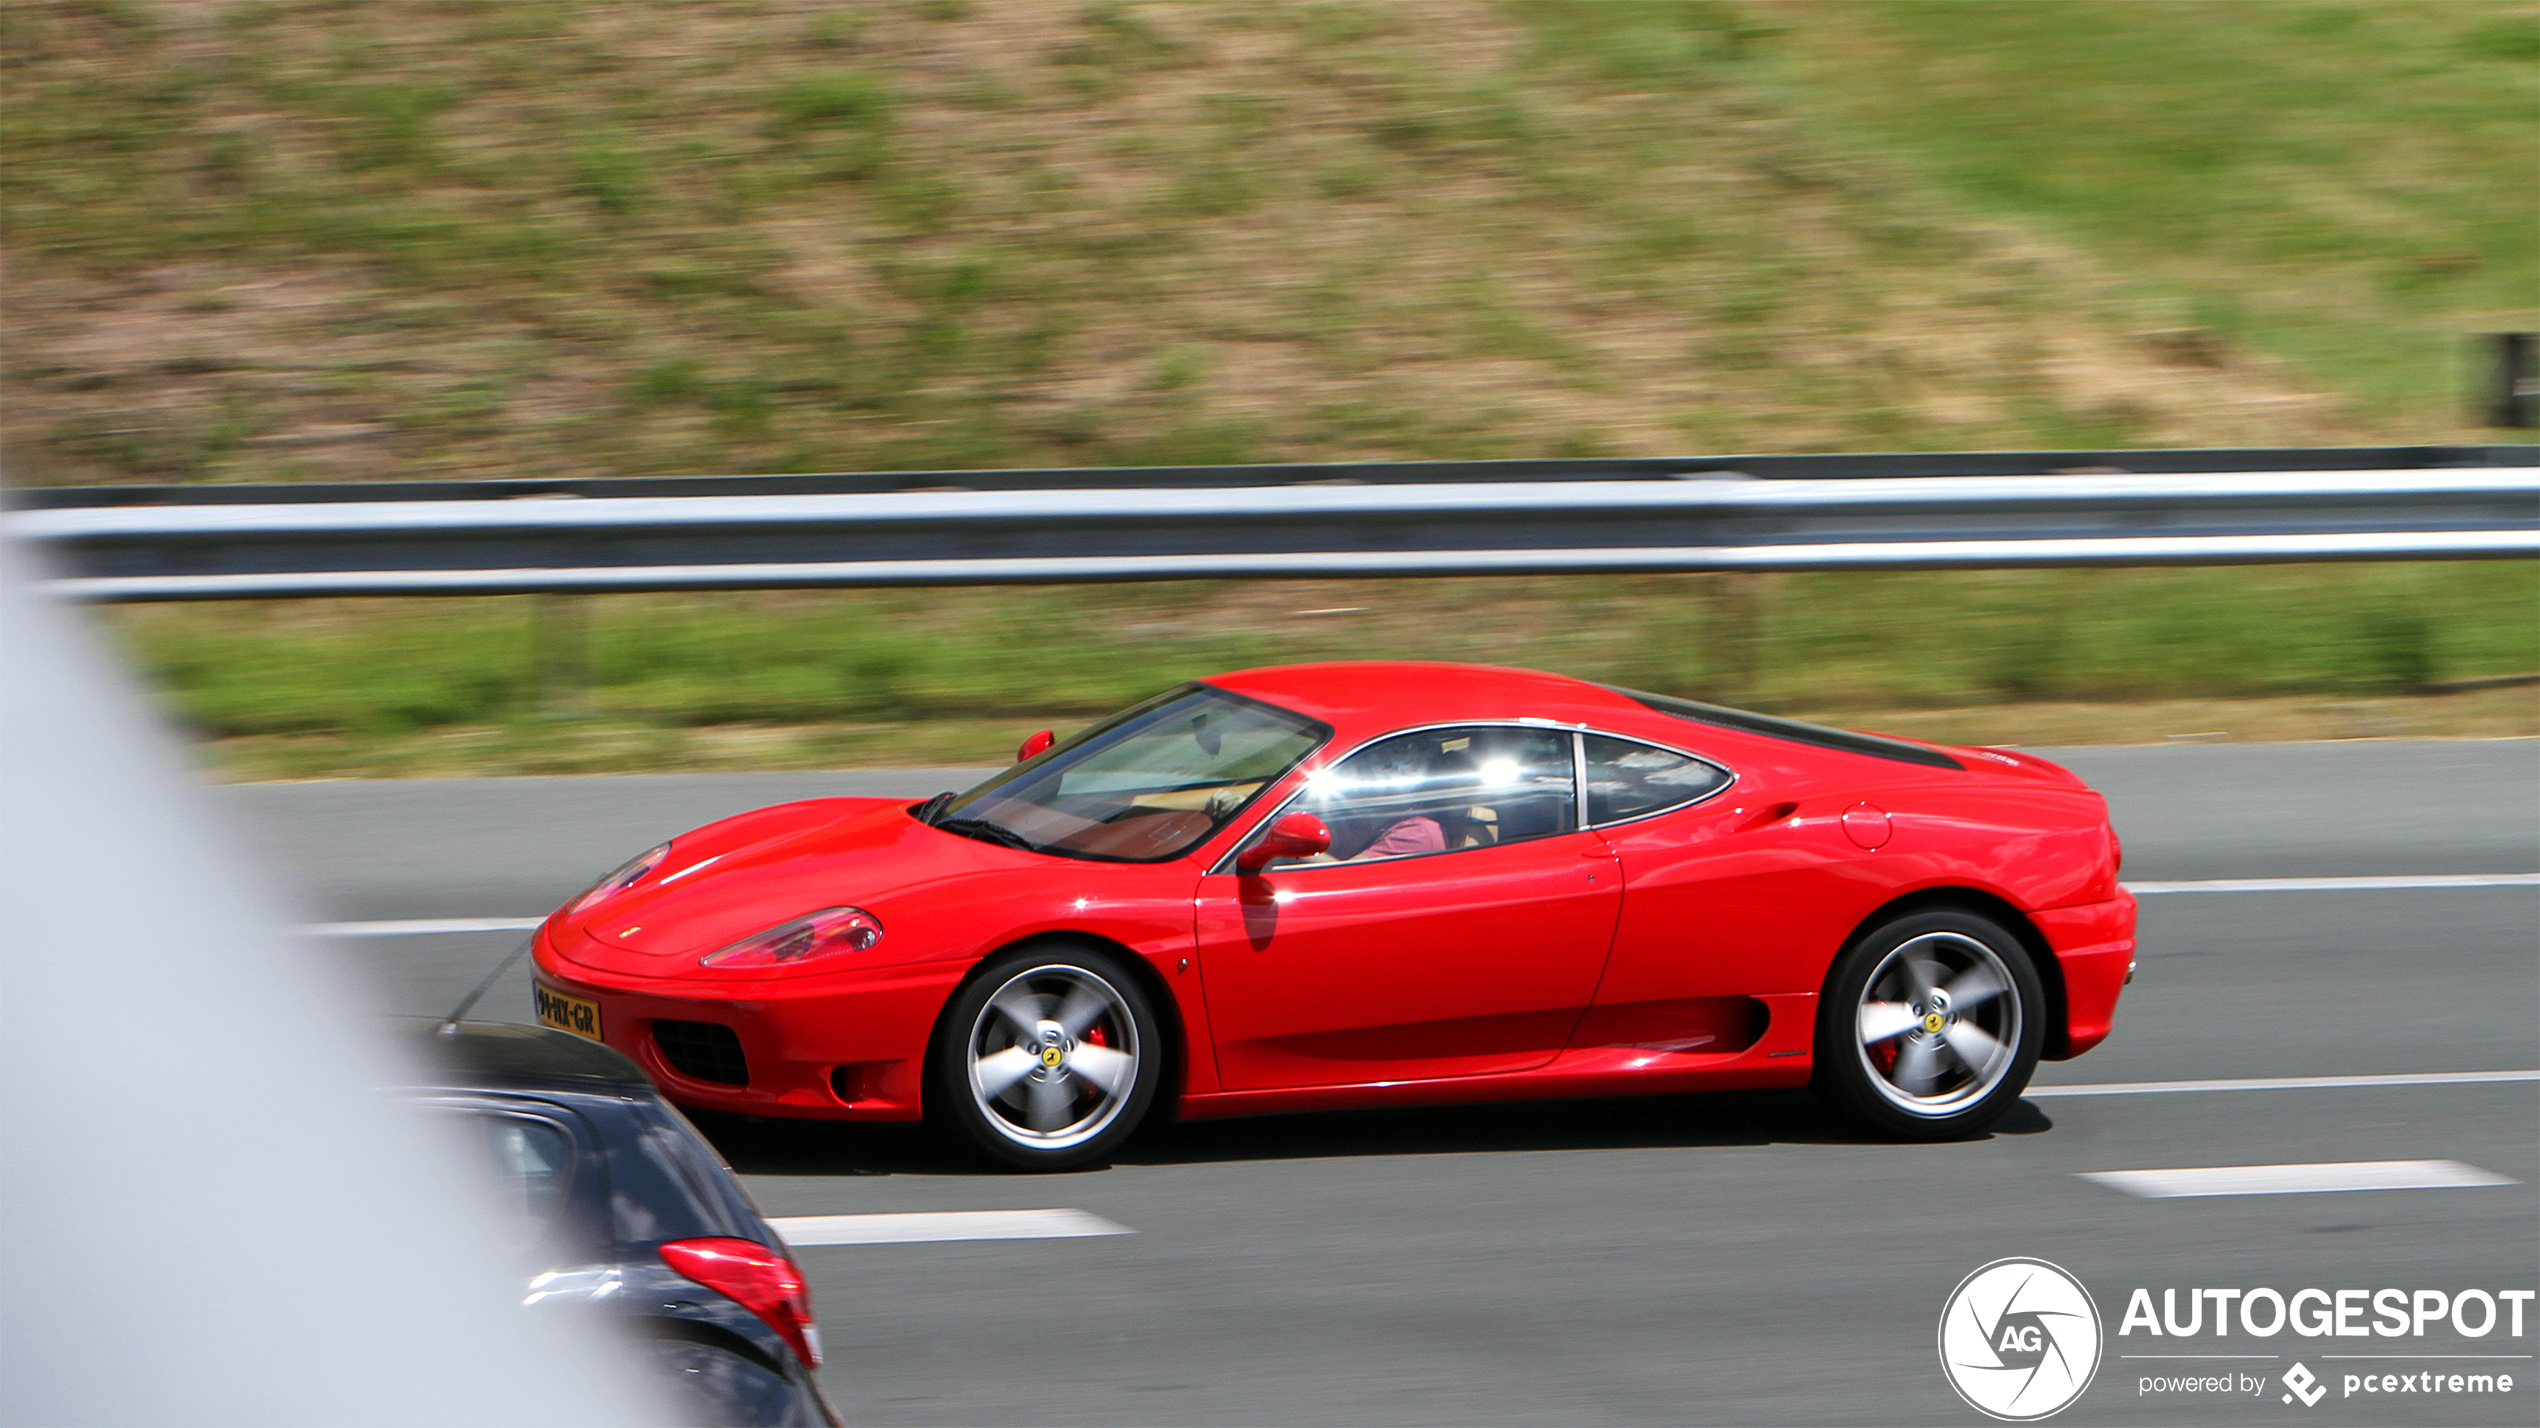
x,y
1373,883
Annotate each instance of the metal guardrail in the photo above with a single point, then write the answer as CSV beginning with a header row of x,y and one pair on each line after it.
x,y
135,544
1363,473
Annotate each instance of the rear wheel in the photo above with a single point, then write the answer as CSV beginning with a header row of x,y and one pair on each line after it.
x,y
1930,1026
1048,1059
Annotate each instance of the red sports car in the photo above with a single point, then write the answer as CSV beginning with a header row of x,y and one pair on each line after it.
x,y
1376,883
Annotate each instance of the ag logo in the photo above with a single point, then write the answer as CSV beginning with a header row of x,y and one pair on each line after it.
x,y
2019,1339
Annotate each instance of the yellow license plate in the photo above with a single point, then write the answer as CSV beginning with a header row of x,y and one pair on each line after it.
x,y
572,1014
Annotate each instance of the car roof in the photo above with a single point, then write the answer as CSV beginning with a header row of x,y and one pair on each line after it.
x,y
1354,694
487,1054
1360,698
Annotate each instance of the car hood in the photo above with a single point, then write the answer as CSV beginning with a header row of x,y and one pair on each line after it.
x,y
728,880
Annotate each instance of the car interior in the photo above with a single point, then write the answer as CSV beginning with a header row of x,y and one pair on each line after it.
x,y
1479,786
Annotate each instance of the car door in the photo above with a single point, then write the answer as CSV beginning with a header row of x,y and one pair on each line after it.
x,y
1456,928
1728,894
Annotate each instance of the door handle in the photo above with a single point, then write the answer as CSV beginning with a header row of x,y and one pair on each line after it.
x,y
1771,813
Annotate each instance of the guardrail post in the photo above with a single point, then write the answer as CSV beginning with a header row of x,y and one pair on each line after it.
x,y
1734,632
2510,394
560,649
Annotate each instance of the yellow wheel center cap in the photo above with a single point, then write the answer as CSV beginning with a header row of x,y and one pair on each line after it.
x,y
1933,1022
1051,1056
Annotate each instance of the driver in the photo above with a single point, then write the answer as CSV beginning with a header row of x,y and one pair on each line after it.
x,y
1400,765
1416,834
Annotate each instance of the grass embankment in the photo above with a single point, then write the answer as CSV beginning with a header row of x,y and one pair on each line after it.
x,y
2348,187
285,240
521,685
292,241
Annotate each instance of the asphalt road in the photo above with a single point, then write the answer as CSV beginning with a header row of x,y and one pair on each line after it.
x,y
1730,1259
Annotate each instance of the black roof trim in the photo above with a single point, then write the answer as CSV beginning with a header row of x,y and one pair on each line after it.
x,y
1797,731
486,1053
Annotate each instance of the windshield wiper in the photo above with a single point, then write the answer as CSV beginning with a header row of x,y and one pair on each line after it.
x,y
986,831
933,808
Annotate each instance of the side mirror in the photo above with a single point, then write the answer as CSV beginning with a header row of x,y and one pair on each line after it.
x,y
1035,746
1296,835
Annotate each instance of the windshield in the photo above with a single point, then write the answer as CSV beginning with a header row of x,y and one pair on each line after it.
x,y
1147,784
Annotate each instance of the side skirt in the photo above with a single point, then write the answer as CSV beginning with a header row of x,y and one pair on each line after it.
x,y
1779,1058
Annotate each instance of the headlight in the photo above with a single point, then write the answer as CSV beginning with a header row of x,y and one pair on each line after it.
x,y
814,934
625,876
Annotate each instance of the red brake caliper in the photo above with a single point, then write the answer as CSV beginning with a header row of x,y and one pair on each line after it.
x,y
1094,1037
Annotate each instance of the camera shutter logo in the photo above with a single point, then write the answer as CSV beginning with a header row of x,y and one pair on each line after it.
x,y
2019,1339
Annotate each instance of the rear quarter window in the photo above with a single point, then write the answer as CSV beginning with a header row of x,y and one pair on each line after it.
x,y
1627,779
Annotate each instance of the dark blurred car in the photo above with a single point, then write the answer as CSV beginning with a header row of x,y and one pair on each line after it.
x,y
622,1211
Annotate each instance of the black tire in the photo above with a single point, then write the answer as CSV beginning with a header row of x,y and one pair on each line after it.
x,y
1967,1013
1095,1050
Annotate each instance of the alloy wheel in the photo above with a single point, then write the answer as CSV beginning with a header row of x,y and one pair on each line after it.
x,y
1939,1024
1053,1056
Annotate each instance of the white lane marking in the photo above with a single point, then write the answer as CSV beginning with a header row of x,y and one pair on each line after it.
x,y
433,927
2376,884
422,927
922,1227
2285,1083
2296,1179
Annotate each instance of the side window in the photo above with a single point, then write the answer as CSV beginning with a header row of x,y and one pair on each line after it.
x,y
1626,780
531,1161
1442,790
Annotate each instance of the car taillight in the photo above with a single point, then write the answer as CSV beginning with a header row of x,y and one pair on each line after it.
x,y
624,876
759,1279
814,934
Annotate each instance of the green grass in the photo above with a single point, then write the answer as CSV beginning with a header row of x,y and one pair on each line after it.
x,y
1834,641
2347,186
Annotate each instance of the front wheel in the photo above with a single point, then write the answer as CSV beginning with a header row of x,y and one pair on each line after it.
x,y
1048,1059
1930,1026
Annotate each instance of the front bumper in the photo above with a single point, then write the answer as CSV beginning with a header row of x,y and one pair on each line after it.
x,y
847,1045
2094,946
